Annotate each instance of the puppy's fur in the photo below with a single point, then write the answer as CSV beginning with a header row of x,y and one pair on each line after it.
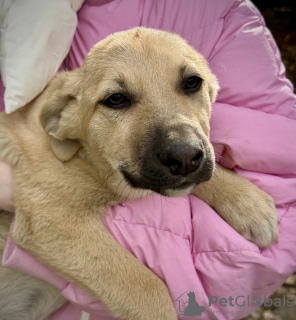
x,y
80,147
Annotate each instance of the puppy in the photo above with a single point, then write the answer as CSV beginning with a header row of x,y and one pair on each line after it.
x,y
133,120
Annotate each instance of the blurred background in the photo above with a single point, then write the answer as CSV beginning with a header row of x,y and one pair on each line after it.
x,y
280,18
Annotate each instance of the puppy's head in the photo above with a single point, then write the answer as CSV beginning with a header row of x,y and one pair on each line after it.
x,y
139,107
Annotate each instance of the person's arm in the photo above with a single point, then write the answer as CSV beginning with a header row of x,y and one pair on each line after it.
x,y
6,190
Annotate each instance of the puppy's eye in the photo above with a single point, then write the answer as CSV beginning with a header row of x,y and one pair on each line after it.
x,y
192,84
117,101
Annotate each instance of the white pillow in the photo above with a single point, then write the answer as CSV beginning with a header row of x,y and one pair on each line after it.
x,y
35,38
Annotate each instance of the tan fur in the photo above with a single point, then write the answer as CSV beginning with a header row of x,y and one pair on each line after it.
x,y
67,149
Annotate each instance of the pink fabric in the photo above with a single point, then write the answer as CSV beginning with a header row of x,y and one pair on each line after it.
x,y
253,129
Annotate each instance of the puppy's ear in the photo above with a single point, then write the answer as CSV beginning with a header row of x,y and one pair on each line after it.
x,y
60,98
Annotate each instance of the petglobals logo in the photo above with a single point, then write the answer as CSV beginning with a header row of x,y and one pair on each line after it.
x,y
242,301
189,305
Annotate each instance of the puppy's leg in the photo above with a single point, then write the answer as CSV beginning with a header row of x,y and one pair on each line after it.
x,y
90,258
66,232
23,297
249,210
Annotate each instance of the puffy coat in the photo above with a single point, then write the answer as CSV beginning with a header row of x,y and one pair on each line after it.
x,y
253,130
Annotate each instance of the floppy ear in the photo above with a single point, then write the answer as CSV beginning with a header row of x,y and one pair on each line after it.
x,y
61,94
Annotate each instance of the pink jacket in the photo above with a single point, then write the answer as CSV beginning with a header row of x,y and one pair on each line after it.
x,y
253,129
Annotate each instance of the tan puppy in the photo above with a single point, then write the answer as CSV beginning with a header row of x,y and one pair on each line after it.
x,y
133,120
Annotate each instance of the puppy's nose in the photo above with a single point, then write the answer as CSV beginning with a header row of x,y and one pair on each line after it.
x,y
181,159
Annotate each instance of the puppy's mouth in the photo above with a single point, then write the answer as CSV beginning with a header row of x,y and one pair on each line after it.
x,y
160,180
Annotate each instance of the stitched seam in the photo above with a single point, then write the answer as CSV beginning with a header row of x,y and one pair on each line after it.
x,y
185,238
227,251
287,209
145,225
235,5
257,110
203,27
243,250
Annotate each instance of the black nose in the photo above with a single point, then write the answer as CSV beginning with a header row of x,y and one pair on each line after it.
x,y
181,159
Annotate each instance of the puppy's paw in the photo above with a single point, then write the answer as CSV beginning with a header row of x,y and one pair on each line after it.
x,y
252,213
261,224
248,209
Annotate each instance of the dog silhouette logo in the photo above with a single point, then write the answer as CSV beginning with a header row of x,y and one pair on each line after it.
x,y
192,308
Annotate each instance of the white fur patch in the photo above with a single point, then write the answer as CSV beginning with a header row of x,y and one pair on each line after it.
x,y
178,193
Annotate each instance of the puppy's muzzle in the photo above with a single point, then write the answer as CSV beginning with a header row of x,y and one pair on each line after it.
x,y
181,159
176,158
